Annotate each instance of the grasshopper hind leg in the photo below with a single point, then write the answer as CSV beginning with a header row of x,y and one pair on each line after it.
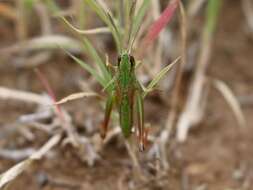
x,y
140,118
108,110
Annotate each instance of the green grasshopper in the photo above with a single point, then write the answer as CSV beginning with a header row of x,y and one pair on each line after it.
x,y
127,95
123,88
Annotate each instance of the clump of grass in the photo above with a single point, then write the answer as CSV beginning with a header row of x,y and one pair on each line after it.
x,y
195,105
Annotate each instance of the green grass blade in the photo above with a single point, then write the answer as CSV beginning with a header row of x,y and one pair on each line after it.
x,y
230,98
212,14
139,17
93,53
104,17
159,76
88,68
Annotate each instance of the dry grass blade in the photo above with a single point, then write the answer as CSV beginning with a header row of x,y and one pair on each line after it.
x,y
47,42
89,31
6,93
194,7
247,6
76,96
16,170
104,15
228,95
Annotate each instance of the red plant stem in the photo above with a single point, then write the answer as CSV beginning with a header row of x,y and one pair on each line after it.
x,y
50,92
161,22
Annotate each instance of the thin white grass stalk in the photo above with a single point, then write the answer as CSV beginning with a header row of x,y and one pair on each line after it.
x,y
131,148
45,43
228,95
21,25
247,6
194,7
16,154
16,170
157,60
44,17
191,115
6,93
104,6
101,30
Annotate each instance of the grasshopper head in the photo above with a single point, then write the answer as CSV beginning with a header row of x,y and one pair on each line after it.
x,y
126,62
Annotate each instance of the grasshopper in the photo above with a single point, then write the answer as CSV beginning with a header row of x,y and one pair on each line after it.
x,y
127,96
125,92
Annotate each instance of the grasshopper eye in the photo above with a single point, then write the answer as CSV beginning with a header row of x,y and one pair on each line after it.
x,y
119,60
132,61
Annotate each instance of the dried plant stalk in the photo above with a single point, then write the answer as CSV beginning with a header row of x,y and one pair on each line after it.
x,y
16,170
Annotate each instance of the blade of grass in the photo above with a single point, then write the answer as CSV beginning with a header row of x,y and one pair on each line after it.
x,y
130,6
88,31
76,96
92,51
159,76
88,68
104,17
212,15
19,168
106,76
228,95
139,17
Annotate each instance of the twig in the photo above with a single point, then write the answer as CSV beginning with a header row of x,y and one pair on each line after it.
x,y
247,6
16,170
6,93
44,43
16,155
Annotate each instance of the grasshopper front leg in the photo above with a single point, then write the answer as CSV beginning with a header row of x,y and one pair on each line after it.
x,y
108,109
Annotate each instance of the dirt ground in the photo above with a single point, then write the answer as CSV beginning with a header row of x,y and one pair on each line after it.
x,y
216,156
